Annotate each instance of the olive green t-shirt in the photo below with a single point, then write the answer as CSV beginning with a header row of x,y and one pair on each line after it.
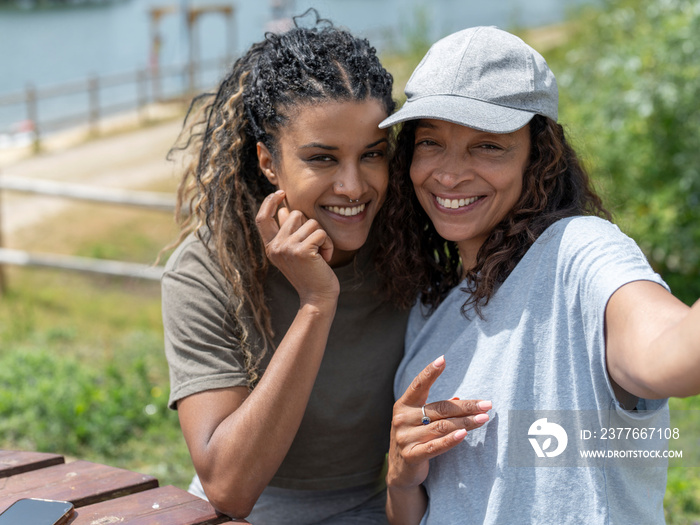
x,y
344,434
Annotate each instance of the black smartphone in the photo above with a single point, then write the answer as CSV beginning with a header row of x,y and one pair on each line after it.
x,y
30,511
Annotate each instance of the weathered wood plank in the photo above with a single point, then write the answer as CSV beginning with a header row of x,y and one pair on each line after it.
x,y
161,506
80,482
15,462
81,264
144,199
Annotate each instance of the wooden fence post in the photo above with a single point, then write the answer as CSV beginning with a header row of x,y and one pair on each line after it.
x,y
142,88
94,105
33,116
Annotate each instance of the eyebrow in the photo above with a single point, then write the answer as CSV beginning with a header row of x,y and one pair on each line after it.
x,y
318,145
335,148
377,143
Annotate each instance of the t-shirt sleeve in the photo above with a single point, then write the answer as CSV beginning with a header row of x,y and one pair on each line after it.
x,y
599,259
604,259
200,345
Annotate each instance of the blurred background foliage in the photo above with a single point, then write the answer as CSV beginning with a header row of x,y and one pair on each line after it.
x,y
629,77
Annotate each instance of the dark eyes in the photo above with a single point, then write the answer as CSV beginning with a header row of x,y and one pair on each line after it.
x,y
377,154
321,158
426,143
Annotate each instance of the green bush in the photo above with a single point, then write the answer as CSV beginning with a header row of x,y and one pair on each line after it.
x,y
630,84
58,404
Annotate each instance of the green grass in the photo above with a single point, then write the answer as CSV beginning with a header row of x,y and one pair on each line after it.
x,y
682,501
82,369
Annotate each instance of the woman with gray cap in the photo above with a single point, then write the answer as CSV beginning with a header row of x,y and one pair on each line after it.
x,y
532,304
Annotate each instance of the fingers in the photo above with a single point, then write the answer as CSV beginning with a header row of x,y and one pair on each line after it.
x,y
274,216
442,427
326,249
419,443
307,235
456,408
282,215
424,451
265,219
277,225
446,417
417,392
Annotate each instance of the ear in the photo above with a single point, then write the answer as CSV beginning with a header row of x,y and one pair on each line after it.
x,y
266,163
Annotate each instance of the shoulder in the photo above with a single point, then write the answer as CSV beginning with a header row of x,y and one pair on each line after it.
x,y
586,239
582,230
595,253
192,273
192,250
194,256
591,229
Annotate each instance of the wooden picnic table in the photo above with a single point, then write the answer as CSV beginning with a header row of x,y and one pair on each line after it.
x,y
101,494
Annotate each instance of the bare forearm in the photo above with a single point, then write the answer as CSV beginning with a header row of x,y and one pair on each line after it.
x,y
406,506
248,446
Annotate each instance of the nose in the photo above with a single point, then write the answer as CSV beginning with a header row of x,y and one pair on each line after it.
x,y
350,181
453,170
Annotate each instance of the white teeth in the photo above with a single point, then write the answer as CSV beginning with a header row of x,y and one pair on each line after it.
x,y
348,211
455,203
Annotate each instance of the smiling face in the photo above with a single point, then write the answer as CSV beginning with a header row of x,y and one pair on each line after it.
x,y
467,180
329,154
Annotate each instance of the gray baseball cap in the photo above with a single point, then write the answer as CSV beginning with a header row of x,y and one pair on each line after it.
x,y
483,78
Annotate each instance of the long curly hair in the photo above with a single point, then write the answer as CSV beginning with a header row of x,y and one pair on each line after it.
x,y
223,187
555,186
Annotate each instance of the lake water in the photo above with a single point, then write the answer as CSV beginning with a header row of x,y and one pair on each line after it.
x,y
55,45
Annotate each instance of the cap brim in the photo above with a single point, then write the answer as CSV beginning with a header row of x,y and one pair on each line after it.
x,y
468,112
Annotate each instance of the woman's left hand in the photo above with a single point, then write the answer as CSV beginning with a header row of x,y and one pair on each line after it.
x,y
419,432
414,440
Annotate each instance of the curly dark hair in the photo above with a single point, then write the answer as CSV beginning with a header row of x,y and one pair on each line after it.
x,y
555,186
223,187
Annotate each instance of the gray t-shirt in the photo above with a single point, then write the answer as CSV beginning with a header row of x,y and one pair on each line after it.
x,y
344,434
541,346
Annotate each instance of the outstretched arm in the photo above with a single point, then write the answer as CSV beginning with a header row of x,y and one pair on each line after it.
x,y
652,342
413,443
238,440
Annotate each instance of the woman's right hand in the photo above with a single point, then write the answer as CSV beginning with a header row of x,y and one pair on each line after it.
x,y
299,248
413,443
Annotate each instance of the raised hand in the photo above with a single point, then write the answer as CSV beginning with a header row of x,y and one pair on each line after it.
x,y
299,247
415,439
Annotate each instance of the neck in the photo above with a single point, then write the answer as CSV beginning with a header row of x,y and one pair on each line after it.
x,y
468,255
341,258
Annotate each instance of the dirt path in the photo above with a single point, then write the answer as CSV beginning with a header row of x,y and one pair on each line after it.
x,y
130,160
